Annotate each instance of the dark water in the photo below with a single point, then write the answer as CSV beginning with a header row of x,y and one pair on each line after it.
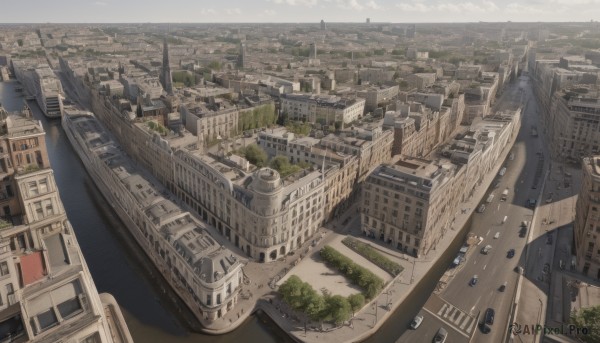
x,y
115,261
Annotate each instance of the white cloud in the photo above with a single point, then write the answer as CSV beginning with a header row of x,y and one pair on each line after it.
x,y
373,5
100,3
455,7
270,12
207,11
307,3
233,11
517,8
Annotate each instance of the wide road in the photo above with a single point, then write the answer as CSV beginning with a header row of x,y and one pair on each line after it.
x,y
493,269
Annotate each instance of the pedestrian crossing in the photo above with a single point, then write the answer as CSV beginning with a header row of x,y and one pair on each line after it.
x,y
462,321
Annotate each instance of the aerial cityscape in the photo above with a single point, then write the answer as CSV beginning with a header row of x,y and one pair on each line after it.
x,y
284,173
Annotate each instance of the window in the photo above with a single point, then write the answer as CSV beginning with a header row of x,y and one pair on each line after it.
x,y
10,289
3,268
218,299
33,188
208,300
49,208
69,308
43,186
38,209
47,319
93,338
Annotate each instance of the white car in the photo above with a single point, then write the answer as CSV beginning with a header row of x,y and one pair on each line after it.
x,y
497,235
416,322
486,249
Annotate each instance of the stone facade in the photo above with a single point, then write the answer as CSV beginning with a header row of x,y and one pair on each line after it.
x,y
410,203
46,290
587,220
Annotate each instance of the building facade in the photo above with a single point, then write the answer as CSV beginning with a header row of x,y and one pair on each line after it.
x,y
46,290
587,220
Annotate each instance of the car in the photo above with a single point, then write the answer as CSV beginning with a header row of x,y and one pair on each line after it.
x,y
485,329
473,281
416,322
486,249
489,316
502,287
549,239
440,336
497,235
481,208
523,231
510,253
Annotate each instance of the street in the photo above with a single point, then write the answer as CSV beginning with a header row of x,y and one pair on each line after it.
x,y
462,305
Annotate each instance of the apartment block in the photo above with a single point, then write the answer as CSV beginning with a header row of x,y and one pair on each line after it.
x,y
326,110
377,96
47,293
411,202
587,220
206,275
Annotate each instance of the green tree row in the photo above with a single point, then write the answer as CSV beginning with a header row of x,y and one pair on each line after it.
x,y
260,116
361,276
335,308
368,252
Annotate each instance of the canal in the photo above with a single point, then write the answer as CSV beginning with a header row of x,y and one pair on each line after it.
x,y
152,312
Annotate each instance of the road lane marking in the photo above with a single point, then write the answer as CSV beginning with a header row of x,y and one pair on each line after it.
x,y
442,309
449,310
484,267
465,322
488,232
470,328
460,317
448,323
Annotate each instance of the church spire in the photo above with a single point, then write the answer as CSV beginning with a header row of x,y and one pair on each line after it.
x,y
166,69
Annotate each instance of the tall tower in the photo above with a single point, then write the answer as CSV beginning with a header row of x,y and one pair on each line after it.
x,y
242,56
166,69
323,25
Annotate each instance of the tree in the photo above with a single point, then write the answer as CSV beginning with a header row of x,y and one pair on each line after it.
x,y
280,163
588,318
291,290
255,155
338,308
356,302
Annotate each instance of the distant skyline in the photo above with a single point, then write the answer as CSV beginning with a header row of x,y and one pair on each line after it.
x,y
202,11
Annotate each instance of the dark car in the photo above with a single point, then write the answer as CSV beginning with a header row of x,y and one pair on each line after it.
x,y
523,232
473,281
549,239
484,328
489,316
502,287
510,253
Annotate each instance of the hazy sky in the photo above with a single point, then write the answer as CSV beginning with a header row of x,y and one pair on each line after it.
x,y
13,11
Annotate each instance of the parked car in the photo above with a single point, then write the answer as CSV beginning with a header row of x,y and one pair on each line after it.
x,y
440,336
473,281
486,249
481,208
489,316
416,322
511,253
